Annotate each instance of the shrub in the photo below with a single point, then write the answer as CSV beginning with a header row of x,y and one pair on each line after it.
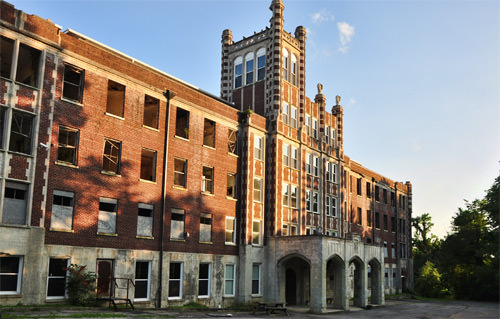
x,y
81,285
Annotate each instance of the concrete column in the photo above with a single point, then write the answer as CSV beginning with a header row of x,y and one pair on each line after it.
x,y
345,299
245,275
318,287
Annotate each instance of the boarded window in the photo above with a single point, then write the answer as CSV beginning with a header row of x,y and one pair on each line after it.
x,y
231,141
10,275
177,224
107,216
207,180
204,280
182,123
151,110
14,203
148,165
205,228
67,148
145,220
73,83
6,53
111,156
21,132
62,210
142,280
231,185
56,279
209,133
28,65
175,281
230,226
180,168
116,98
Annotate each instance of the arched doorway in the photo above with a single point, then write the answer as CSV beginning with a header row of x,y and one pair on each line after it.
x,y
335,283
356,275
374,281
295,280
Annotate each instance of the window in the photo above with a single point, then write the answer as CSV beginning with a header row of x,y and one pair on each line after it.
x,y
293,117
6,54
73,83
286,113
315,128
257,190
377,220
258,148
62,211
67,148
230,227
285,64
107,216
177,224
307,124
2,124
204,280
207,180
148,165
142,280
232,138
111,156
27,65
205,228
284,230
386,276
358,186
328,171
327,134
151,111
249,68
21,132
180,169
327,205
295,158
293,196
377,194
238,72
369,218
309,159
386,226
315,202
393,224
229,275
56,279
182,123
175,281
261,64
293,75
334,207
231,185
286,195
385,249
393,250
145,220
332,136
308,200
209,133
256,275
393,199
368,190
286,155
256,233
116,98
10,275
316,166
384,195
14,203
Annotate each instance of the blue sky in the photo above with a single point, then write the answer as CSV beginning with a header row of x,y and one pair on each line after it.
x,y
419,80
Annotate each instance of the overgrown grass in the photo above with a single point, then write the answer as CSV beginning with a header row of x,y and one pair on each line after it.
x,y
73,315
189,306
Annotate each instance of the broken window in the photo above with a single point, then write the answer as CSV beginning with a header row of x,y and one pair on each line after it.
x,y
142,280
56,279
148,165
180,168
67,148
73,83
21,132
230,227
205,228
182,123
116,98
209,133
6,54
175,281
207,180
11,270
256,233
177,224
231,141
257,190
14,203
111,156
204,280
62,211
231,185
145,220
238,72
108,208
151,110
27,65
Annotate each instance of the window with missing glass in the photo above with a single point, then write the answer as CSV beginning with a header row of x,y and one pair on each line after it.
x,y
180,170
209,133
148,165
73,83
111,156
231,185
67,145
151,111
28,65
207,180
232,139
182,123
21,132
116,98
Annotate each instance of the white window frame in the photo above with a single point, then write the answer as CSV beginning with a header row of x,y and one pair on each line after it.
x,y
294,158
238,61
258,147
316,165
293,190
327,134
261,53
286,155
233,279
315,128
327,205
208,280
293,116
285,195
258,200
308,201
176,279
285,64
334,206
258,279
148,280
56,277
309,159
233,239
307,123
61,209
249,58
257,234
315,202
332,136
19,276
293,70
286,113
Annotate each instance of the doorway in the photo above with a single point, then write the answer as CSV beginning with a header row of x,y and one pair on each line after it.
x,y
291,287
104,277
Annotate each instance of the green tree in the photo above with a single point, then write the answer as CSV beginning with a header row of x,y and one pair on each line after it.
x,y
80,285
426,245
428,283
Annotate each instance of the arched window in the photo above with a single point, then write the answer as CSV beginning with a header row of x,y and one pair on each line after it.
x,y
261,64
294,70
285,64
238,72
249,68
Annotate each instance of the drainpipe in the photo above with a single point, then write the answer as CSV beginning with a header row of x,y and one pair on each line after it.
x,y
169,95
373,209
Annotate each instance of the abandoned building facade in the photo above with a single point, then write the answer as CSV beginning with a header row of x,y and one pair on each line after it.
x,y
180,195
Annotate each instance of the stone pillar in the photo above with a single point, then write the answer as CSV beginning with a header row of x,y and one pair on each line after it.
x,y
226,67
345,281
318,286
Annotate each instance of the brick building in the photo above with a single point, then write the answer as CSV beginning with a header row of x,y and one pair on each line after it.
x,y
184,196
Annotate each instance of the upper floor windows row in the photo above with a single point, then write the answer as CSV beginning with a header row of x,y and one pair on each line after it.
x,y
289,67
246,68
20,62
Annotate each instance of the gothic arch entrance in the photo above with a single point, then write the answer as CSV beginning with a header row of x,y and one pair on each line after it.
x,y
335,283
294,274
375,282
356,274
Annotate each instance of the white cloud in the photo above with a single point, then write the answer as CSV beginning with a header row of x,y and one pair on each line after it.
x,y
352,100
322,16
346,32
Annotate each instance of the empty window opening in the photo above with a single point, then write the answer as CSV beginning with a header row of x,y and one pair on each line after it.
x,y
145,220
14,203
62,211
377,220
360,216
111,156
67,148
2,125
177,224
151,110
175,281
231,185
209,133
207,180
27,65
180,168
182,123
232,139
73,83
386,226
56,279
6,54
205,228
107,216
204,280
21,133
116,98
148,165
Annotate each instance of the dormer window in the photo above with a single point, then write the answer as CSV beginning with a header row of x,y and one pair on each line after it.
x,y
285,64
238,72
261,64
249,68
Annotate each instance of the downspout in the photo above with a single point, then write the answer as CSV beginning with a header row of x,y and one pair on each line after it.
x,y
398,250
373,209
169,95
